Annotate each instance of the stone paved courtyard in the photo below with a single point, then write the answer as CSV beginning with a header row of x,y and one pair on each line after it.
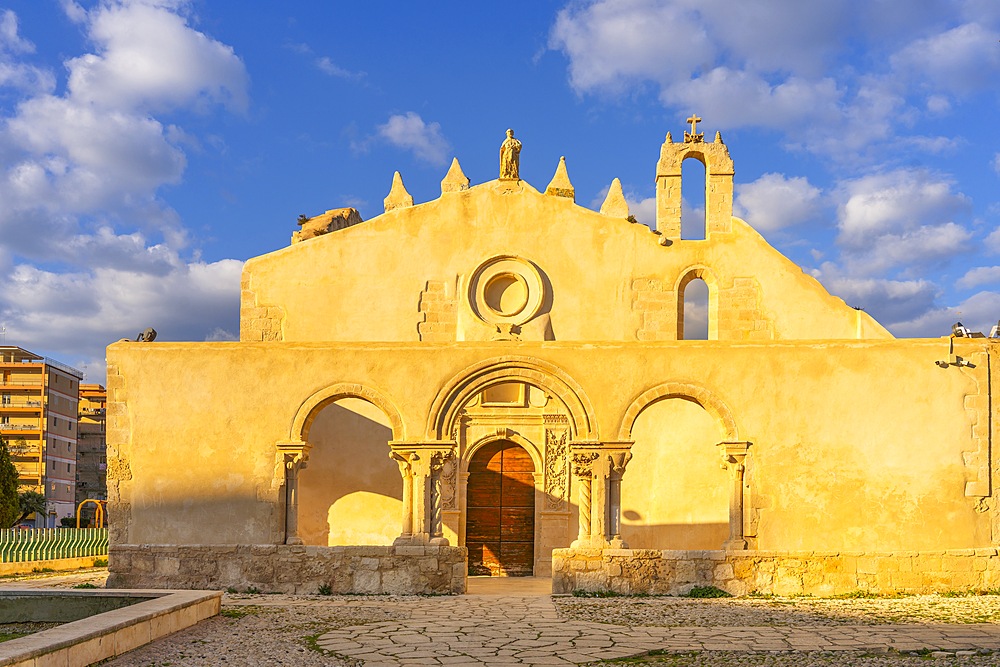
x,y
514,622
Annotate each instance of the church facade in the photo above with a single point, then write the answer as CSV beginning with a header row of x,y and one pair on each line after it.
x,y
498,382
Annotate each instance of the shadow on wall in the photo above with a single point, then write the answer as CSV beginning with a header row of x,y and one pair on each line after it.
x,y
351,492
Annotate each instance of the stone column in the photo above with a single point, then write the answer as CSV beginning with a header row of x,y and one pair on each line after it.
x,y
733,459
438,460
617,461
582,464
419,463
294,456
402,459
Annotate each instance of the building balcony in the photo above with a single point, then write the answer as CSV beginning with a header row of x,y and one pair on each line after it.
x,y
24,451
20,383
20,404
24,470
20,428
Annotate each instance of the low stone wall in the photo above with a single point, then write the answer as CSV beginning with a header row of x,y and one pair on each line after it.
x,y
392,570
646,571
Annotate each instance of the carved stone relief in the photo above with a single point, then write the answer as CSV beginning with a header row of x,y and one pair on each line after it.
x,y
556,473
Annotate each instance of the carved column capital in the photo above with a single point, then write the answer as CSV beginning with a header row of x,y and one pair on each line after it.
x,y
734,453
583,463
294,452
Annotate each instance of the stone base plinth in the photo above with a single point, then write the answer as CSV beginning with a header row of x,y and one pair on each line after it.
x,y
383,570
655,572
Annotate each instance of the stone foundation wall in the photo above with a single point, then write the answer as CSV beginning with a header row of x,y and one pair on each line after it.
x,y
646,571
392,570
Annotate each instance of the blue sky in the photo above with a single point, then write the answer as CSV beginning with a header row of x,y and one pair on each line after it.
x,y
148,147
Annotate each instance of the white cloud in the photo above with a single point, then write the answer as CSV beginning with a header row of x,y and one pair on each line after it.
x,y
88,310
783,65
962,60
888,301
327,66
149,59
10,40
979,312
762,103
981,275
992,242
644,210
774,202
86,165
409,131
612,44
902,217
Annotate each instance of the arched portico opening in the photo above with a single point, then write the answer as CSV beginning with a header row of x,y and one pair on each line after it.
x,y
676,427
341,487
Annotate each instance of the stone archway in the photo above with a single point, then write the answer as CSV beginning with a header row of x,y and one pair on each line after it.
x,y
500,506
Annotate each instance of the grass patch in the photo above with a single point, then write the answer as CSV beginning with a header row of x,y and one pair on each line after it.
x,y
240,612
85,585
7,636
596,594
707,592
312,643
974,592
325,589
870,595
100,562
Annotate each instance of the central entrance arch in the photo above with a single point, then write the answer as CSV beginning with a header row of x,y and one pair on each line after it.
x,y
500,519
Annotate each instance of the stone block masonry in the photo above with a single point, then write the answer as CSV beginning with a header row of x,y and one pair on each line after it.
x,y
654,572
361,570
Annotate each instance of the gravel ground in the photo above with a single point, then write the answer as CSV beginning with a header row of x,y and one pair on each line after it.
x,y
254,635
809,659
670,612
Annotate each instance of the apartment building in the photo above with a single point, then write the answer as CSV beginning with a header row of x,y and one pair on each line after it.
x,y
91,450
39,401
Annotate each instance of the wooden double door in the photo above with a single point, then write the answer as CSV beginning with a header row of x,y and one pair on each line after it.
x,y
500,511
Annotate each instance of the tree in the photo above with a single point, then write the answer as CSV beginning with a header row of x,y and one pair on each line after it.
x,y
10,506
30,501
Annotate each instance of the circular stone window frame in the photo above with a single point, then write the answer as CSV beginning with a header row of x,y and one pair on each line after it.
x,y
523,271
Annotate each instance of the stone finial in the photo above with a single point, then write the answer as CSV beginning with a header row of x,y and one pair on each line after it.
x,y
670,138
560,186
615,204
455,180
398,197
718,137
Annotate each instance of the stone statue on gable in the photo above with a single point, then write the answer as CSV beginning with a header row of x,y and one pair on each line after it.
x,y
510,158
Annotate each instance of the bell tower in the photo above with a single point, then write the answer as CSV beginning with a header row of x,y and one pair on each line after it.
x,y
718,182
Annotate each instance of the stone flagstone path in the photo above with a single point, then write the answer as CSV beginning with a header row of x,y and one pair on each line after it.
x,y
526,630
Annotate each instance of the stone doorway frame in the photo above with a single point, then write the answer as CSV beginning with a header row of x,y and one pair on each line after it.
x,y
538,475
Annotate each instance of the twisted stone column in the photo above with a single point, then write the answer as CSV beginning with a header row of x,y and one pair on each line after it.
x,y
583,471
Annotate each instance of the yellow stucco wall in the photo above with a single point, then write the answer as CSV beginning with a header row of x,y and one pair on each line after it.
x,y
608,279
864,445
